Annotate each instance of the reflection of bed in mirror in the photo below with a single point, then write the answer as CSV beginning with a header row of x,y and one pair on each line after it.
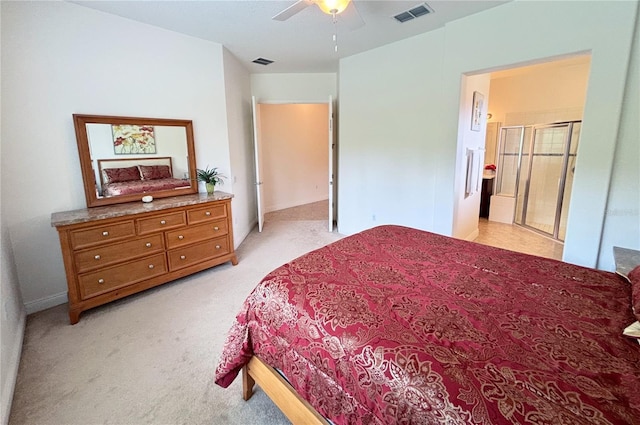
x,y
138,175
99,139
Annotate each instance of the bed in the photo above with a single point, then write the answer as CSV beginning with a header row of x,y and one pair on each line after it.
x,y
395,325
138,175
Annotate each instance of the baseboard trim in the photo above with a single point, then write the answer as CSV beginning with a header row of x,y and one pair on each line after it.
x,y
473,235
14,365
46,302
239,235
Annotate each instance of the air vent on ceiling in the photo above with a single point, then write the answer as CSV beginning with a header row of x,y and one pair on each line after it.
x,y
262,61
416,12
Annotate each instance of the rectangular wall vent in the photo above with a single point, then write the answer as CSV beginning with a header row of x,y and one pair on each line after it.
x,y
416,12
262,61
404,17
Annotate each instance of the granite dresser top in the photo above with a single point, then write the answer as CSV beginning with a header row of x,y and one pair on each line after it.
x,y
626,260
66,218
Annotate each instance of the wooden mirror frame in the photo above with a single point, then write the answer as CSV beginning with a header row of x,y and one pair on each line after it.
x,y
88,174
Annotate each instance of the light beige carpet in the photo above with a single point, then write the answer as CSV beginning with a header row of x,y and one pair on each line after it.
x,y
150,358
313,211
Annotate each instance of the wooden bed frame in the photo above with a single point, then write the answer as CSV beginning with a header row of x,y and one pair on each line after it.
x,y
294,407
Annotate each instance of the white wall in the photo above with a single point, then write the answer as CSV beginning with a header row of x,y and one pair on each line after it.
x,y
295,166
294,88
467,206
622,220
390,126
13,318
58,59
399,112
13,324
241,180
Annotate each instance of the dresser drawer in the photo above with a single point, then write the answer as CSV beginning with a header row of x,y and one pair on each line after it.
x,y
212,212
160,222
102,234
110,278
192,254
191,234
101,256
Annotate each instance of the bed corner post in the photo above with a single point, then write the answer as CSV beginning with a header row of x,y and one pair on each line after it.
x,y
247,383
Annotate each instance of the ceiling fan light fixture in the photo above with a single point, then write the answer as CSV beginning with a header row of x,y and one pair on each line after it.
x,y
333,7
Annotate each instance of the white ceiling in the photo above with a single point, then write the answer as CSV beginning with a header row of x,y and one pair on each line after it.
x,y
304,42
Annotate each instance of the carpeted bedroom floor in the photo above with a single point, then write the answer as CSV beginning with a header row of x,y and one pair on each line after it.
x,y
150,358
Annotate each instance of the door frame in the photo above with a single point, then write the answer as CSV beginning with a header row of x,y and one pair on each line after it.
x,y
332,169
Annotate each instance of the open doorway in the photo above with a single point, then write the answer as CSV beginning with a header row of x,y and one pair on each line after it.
x,y
534,115
294,145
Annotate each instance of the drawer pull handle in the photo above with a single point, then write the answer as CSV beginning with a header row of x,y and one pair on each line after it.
x,y
105,233
183,257
180,237
151,266
217,246
97,257
101,281
208,213
216,228
148,244
163,222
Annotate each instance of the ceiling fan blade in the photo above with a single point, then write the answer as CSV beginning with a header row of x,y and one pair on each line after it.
x,y
298,6
350,17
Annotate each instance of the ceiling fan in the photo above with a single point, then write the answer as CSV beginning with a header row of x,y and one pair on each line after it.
x,y
349,15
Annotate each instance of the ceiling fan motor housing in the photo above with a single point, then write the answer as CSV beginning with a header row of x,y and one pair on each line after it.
x,y
333,7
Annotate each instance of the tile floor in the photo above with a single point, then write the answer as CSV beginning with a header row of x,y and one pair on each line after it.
x,y
516,238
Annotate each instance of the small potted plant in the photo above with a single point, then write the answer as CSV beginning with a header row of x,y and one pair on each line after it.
x,y
211,177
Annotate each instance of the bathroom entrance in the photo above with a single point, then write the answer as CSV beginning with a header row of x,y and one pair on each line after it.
x,y
536,166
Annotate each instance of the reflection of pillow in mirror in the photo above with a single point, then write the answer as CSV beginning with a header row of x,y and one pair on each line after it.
x,y
116,175
154,172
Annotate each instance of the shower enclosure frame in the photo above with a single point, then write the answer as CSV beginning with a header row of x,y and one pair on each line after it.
x,y
527,184
497,183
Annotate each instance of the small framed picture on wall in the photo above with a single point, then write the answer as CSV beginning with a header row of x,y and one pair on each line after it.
x,y
476,111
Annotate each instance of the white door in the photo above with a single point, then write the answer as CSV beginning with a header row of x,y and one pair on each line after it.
x,y
258,160
331,149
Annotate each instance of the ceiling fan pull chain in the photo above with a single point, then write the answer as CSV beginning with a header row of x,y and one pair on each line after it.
x,y
335,32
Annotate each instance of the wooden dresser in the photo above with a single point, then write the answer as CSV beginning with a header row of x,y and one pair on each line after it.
x,y
115,251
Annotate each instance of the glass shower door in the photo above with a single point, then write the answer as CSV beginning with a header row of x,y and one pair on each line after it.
x,y
545,187
508,161
523,175
570,169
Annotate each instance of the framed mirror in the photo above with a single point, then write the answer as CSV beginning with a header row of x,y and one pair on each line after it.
x,y
125,158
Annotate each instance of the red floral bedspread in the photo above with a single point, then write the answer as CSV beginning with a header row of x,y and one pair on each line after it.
x,y
399,326
142,186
